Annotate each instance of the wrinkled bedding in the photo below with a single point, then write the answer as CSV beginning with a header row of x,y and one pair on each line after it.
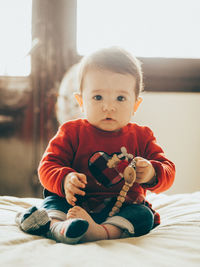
x,y
175,242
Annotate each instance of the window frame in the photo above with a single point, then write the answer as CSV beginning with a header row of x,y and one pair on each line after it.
x,y
171,74
160,74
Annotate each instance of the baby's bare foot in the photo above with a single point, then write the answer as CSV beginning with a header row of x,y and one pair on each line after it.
x,y
95,231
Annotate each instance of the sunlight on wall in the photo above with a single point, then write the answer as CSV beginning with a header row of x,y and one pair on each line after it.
x,y
15,29
174,119
150,28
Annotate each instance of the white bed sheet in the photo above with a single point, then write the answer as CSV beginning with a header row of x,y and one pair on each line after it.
x,y
176,242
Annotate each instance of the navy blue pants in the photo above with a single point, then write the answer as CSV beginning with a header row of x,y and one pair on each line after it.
x,y
139,215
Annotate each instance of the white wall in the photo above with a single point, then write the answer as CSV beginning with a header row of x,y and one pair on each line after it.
x,y
175,120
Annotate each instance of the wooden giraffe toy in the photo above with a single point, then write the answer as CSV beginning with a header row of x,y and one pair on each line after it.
x,y
129,175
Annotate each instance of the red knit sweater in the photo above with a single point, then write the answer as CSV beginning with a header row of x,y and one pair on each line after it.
x,y
77,141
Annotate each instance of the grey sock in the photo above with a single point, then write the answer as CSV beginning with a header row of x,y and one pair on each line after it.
x,y
33,221
69,231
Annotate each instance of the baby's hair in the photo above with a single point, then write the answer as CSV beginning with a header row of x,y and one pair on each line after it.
x,y
113,59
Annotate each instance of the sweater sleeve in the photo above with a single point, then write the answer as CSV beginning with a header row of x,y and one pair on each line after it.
x,y
165,169
56,161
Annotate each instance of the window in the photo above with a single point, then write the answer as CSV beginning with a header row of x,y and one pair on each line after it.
x,y
164,35
150,28
15,29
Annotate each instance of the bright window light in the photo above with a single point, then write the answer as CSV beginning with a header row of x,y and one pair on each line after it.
x,y
15,30
149,28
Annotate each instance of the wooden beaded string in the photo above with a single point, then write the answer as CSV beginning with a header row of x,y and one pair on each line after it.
x,y
129,175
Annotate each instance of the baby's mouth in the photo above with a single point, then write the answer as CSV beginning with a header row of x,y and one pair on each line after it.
x,y
108,119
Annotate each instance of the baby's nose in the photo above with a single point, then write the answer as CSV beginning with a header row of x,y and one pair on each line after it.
x,y
107,106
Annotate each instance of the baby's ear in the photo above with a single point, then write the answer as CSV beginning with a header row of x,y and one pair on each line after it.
x,y
137,103
79,99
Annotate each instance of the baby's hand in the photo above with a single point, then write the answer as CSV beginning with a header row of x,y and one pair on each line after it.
x,y
145,172
73,184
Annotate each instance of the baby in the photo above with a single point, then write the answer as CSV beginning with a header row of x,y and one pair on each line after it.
x,y
80,185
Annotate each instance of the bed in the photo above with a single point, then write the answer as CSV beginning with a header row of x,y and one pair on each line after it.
x,y
175,242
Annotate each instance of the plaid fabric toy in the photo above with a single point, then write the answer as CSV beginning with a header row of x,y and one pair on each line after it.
x,y
110,170
100,170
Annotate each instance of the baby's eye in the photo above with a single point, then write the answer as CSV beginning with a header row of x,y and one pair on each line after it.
x,y
121,98
97,97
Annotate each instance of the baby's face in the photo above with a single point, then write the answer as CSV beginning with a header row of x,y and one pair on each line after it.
x,y
108,99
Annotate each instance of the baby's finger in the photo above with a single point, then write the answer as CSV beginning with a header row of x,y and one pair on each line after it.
x,y
139,180
136,159
82,177
141,170
139,175
75,190
71,199
141,162
76,181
